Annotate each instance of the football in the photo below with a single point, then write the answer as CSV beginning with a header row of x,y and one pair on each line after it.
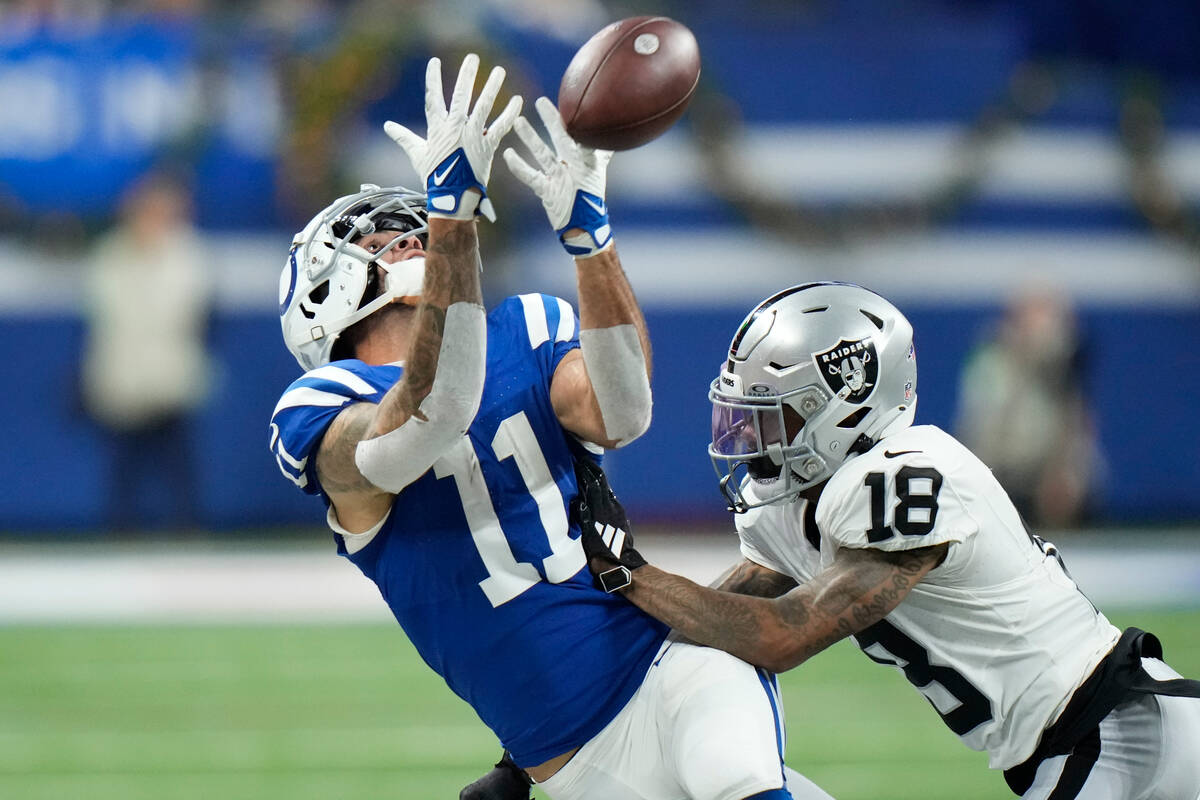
x,y
629,83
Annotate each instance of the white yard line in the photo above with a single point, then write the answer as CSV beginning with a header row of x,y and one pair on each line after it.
x,y
286,583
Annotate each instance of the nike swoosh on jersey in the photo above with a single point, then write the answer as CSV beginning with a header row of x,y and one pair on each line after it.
x,y
437,179
890,454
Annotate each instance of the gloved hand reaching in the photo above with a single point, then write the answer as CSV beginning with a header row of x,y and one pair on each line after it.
x,y
455,158
506,781
570,182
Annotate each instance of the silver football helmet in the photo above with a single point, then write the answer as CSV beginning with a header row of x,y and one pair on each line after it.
x,y
329,282
815,374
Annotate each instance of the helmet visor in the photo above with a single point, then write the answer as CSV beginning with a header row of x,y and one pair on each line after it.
x,y
742,430
760,438
747,444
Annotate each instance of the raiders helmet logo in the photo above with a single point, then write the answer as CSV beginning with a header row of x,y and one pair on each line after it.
x,y
850,369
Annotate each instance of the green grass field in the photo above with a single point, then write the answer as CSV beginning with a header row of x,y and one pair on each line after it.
x,y
307,712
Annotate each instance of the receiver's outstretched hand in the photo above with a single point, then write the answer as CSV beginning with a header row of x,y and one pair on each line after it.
x,y
454,159
570,182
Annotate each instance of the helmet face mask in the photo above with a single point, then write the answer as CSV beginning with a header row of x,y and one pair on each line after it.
x,y
760,438
329,282
814,375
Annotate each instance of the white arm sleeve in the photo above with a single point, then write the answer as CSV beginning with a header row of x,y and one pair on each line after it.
x,y
397,458
616,367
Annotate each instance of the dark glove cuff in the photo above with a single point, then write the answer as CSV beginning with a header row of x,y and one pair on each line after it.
x,y
632,558
506,762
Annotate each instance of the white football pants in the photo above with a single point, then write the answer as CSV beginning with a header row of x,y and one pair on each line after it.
x,y
703,726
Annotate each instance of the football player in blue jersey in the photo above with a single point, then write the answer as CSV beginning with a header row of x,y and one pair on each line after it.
x,y
855,522
443,440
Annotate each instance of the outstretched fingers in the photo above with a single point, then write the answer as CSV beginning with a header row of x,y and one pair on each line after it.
x,y
563,143
435,99
526,174
409,141
504,123
487,97
460,101
542,153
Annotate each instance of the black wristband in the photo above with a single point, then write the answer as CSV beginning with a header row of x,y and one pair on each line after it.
x,y
615,579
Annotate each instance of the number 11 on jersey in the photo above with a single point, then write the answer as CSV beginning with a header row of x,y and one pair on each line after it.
x,y
507,577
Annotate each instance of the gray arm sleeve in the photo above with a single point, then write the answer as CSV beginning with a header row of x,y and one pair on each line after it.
x,y
616,367
397,458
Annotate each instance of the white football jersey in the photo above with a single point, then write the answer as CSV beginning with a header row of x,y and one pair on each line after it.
x,y
998,636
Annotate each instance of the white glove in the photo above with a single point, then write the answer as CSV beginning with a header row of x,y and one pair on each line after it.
x,y
570,182
455,160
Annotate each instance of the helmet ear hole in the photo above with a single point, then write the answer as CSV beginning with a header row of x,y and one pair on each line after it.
x,y
319,293
854,419
315,297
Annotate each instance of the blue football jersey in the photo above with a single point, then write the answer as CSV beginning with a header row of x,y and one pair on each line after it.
x,y
478,559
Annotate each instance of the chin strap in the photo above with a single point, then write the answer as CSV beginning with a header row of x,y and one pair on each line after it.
x,y
405,280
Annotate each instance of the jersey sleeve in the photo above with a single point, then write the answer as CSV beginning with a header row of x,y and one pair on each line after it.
x,y
551,329
306,410
759,535
894,502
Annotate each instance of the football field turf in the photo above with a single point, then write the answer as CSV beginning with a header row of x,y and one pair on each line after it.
x,y
300,712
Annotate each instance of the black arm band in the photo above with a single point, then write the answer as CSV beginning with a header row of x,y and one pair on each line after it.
x,y
615,579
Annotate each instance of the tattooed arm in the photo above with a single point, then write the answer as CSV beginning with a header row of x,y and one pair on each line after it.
x,y
451,276
606,304
751,578
748,578
857,590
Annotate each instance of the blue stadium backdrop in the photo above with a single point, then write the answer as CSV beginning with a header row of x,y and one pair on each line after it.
x,y
857,105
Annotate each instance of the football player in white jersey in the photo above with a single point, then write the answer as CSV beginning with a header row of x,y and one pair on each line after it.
x,y
443,438
853,522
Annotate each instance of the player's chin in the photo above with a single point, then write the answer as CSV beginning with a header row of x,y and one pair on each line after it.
x,y
763,470
395,311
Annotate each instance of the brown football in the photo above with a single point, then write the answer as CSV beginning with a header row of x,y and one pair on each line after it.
x,y
629,83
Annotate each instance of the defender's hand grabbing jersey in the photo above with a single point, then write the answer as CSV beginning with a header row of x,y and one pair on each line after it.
x,y
477,558
997,637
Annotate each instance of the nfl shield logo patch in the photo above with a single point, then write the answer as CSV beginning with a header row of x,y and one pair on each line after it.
x,y
850,369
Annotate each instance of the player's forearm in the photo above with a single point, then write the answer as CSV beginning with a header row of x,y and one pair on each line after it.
x,y
606,299
747,577
452,263
615,347
858,590
751,628
431,409
783,632
451,276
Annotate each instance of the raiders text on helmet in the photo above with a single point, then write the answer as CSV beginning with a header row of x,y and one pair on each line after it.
x,y
814,374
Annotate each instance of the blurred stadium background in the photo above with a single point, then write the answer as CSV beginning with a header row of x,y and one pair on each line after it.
x,y
950,154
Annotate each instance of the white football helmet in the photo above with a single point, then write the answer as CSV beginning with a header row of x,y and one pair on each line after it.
x,y
329,283
815,374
